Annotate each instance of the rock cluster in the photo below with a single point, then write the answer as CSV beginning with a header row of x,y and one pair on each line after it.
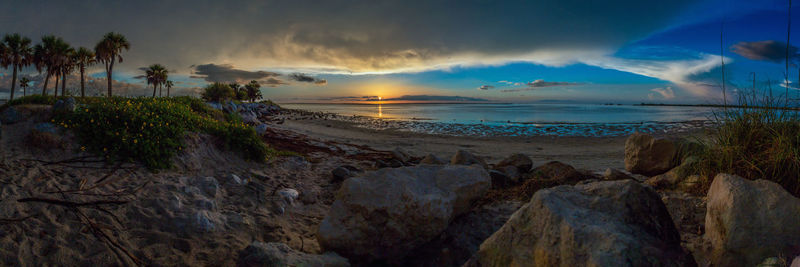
x,y
649,156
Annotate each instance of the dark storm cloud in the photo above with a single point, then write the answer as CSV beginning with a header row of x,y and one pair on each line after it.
x,y
361,36
485,87
543,83
300,77
227,73
770,50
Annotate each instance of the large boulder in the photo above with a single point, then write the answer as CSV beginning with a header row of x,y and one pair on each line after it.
x,y
679,178
463,157
561,173
609,223
382,215
520,161
649,156
748,221
279,254
432,160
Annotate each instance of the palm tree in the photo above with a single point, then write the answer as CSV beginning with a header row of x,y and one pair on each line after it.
x,y
83,58
155,74
18,54
253,91
109,50
24,83
59,61
168,85
67,66
41,57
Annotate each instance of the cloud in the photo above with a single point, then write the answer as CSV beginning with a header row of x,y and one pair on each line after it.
x,y
684,73
666,93
485,87
361,37
542,83
770,50
272,82
435,98
300,77
227,73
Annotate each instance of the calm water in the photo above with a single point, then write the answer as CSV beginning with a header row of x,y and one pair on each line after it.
x,y
516,113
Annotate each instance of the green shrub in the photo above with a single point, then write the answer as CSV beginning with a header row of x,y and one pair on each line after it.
x,y
151,130
759,140
217,92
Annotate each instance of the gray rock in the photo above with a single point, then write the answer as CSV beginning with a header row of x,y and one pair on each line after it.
x,y
46,127
386,213
279,255
340,174
208,185
201,222
10,116
748,221
288,195
520,161
261,129
613,174
512,172
595,224
649,156
215,105
796,262
560,172
236,180
500,180
432,159
65,105
463,157
401,155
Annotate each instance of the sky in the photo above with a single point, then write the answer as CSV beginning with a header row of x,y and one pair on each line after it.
x,y
617,51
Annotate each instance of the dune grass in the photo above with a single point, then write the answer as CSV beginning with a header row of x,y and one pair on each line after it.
x,y
151,130
759,139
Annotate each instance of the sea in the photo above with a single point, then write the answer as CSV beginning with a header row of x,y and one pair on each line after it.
x,y
516,119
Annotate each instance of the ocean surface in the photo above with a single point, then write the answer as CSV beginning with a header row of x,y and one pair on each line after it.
x,y
516,113
521,119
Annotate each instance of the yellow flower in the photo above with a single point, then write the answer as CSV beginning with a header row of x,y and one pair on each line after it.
x,y
83,148
135,141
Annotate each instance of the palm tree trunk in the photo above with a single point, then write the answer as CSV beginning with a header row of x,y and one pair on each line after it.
x,y
82,92
168,91
109,69
159,90
154,90
13,83
63,84
44,86
55,89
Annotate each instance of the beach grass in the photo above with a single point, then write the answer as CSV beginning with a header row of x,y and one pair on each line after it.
x,y
151,130
758,139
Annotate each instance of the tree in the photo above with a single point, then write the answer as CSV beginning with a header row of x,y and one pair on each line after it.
x,y
24,83
253,90
217,92
236,87
168,85
17,54
108,51
156,74
66,67
83,57
59,58
41,59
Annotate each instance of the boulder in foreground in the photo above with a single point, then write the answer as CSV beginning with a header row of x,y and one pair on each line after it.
x,y
610,223
649,156
748,221
463,157
382,215
520,161
279,254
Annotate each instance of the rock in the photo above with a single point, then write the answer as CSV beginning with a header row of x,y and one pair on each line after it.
x,y
10,116
432,159
294,163
500,180
395,163
46,127
747,221
649,156
340,173
463,236
288,195
796,262
236,180
522,162
772,262
201,222
230,107
613,174
560,172
462,157
261,129
215,105
208,185
279,254
676,178
512,172
382,215
596,224
250,118
65,105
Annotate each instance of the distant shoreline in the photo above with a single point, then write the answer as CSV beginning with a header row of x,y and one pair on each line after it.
x,y
714,106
